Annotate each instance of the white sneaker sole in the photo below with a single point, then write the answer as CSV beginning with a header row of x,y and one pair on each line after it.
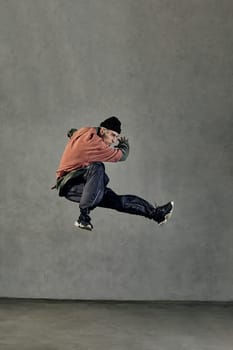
x,y
83,227
168,215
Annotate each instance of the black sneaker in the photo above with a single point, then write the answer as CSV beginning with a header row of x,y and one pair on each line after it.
x,y
163,213
84,221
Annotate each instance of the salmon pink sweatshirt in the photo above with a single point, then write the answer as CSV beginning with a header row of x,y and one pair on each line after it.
x,y
84,148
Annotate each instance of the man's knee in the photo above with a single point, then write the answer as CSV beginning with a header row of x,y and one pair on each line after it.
x,y
96,172
97,167
94,169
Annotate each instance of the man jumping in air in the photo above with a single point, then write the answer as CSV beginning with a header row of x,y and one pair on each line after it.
x,y
81,174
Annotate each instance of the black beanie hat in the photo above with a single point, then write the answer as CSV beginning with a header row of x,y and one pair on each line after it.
x,y
112,123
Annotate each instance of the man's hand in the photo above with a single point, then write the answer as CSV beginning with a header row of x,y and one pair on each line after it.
x,y
123,145
122,139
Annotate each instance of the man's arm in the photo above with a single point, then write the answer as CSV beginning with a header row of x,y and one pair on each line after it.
x,y
123,144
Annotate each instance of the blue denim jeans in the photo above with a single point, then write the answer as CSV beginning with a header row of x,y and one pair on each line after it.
x,y
91,191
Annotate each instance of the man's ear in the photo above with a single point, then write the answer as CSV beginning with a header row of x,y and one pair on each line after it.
x,y
101,131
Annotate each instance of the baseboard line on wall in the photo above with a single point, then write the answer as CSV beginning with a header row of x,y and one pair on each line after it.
x,y
113,301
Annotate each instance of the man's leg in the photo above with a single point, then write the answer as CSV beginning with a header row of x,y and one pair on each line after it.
x,y
95,183
91,191
135,205
88,191
74,191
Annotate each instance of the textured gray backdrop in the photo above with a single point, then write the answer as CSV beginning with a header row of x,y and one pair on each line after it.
x,y
165,67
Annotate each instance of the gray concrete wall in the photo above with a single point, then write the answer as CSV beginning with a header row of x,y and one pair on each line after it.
x,y
165,68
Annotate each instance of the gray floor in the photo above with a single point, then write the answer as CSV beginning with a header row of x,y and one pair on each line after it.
x,y
52,325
